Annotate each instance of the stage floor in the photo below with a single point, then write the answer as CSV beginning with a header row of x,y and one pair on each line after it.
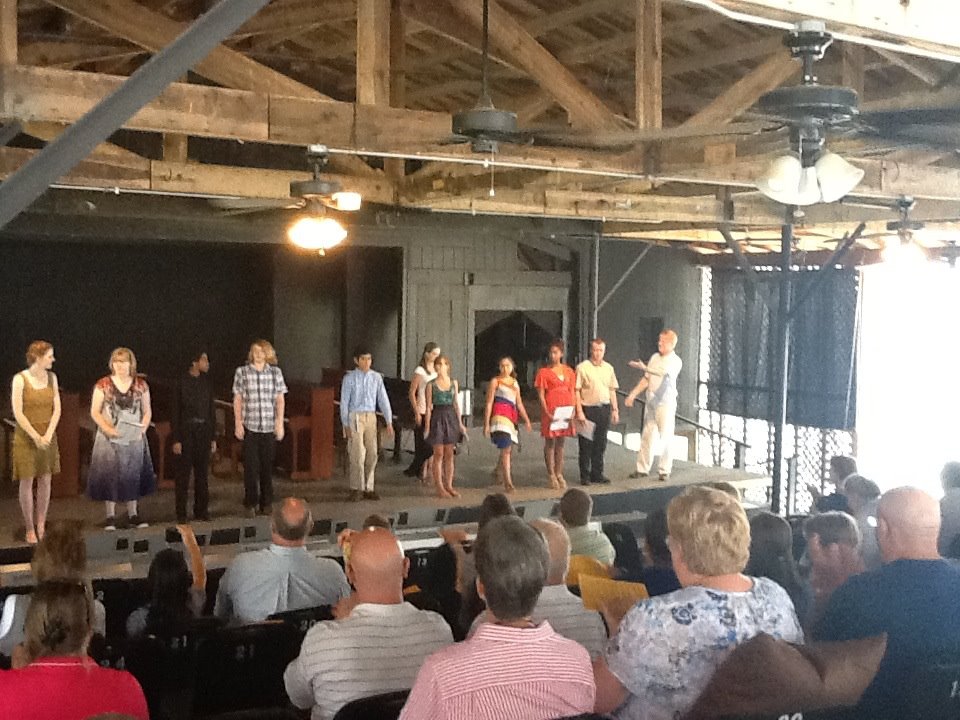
x,y
329,498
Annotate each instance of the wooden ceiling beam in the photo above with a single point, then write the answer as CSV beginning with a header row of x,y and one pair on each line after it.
x,y
648,64
912,65
8,32
71,54
747,90
522,48
373,52
47,131
296,16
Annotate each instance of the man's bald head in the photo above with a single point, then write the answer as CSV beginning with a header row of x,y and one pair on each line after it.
x,y
377,565
558,545
291,522
908,525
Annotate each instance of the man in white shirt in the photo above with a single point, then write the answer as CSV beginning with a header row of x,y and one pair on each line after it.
x,y
377,643
284,576
659,382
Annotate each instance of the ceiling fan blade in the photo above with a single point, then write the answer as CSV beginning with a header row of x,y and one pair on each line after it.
x,y
627,137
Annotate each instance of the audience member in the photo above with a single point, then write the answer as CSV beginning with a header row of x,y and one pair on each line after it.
x,y
666,648
841,467
862,498
950,508
728,487
53,676
658,574
771,556
833,546
912,598
378,641
60,555
511,667
576,506
284,576
557,605
177,595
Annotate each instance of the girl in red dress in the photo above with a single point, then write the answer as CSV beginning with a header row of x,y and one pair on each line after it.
x,y
555,385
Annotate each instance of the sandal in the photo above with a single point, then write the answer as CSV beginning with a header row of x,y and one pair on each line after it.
x,y
554,483
561,482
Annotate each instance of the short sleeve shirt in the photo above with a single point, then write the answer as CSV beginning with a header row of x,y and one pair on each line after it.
x,y
668,647
662,378
595,382
259,390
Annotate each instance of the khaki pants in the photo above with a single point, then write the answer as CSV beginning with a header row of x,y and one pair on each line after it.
x,y
362,450
659,422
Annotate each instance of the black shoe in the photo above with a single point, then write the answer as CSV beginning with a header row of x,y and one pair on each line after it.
x,y
370,495
636,475
249,512
584,481
356,496
602,480
202,517
181,520
110,524
137,522
265,511
663,477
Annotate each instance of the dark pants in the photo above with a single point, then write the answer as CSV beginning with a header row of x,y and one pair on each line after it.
x,y
258,451
422,450
591,451
195,455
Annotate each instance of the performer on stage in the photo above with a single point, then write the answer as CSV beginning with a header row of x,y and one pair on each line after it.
x,y
659,382
192,429
445,425
258,404
422,376
36,408
501,419
556,385
597,387
361,393
120,466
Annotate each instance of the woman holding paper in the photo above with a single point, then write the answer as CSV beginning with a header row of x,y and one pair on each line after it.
x,y
555,384
120,466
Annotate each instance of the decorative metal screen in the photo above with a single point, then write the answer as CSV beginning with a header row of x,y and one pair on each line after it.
x,y
811,446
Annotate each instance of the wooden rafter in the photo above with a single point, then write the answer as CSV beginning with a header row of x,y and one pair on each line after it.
x,y
522,48
648,72
373,52
8,32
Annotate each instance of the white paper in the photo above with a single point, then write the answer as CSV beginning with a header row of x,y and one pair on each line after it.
x,y
561,418
586,429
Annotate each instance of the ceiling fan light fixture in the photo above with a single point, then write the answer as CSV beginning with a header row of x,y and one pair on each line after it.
x,y
836,176
316,232
346,201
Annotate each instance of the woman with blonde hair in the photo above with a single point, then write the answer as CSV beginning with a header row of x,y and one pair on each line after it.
x,y
258,404
36,408
121,470
53,677
663,652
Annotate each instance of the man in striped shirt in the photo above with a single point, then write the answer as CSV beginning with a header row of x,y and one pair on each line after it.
x,y
378,642
510,668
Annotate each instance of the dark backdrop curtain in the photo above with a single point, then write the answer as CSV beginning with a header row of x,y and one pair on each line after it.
x,y
822,374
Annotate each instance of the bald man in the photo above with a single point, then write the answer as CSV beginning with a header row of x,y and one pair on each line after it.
x,y
913,597
283,576
378,641
557,605
659,385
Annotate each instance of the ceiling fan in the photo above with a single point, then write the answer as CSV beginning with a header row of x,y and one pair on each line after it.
x,y
916,239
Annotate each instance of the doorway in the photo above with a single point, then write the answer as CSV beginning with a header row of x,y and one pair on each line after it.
x,y
524,335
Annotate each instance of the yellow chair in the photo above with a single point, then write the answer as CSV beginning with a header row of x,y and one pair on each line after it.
x,y
595,591
585,565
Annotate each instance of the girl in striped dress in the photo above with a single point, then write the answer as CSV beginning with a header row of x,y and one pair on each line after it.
x,y
501,420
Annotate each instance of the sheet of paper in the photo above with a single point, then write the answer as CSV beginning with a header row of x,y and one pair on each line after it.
x,y
561,418
586,429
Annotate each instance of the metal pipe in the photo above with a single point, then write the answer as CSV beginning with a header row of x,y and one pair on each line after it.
x,y
106,117
623,278
782,363
595,295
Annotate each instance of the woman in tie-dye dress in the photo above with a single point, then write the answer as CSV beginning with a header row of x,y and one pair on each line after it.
x,y
501,420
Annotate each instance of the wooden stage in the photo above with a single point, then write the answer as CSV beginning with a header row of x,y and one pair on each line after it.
x,y
411,504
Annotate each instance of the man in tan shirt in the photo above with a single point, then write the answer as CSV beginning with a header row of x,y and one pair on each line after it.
x,y
597,387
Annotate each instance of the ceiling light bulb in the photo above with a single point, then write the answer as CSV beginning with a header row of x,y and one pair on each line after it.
x,y
347,201
836,176
316,233
902,252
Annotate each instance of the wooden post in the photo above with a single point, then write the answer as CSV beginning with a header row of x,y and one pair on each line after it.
x,y
66,483
395,168
373,52
8,32
648,58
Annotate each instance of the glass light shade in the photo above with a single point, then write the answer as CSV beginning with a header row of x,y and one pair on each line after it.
x,y
316,233
347,201
836,176
902,252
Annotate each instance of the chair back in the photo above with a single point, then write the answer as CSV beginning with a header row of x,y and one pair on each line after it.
x,y
932,693
242,668
585,565
386,706
625,544
305,618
